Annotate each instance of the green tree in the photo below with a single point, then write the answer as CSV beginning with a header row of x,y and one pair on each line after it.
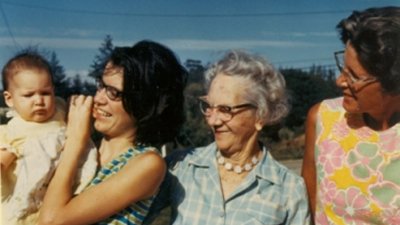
x,y
100,60
76,84
195,131
61,82
79,86
2,101
306,89
89,88
196,70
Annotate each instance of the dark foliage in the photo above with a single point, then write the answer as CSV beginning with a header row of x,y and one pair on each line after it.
x,y
100,60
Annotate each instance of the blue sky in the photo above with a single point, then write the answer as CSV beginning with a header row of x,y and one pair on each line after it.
x,y
290,33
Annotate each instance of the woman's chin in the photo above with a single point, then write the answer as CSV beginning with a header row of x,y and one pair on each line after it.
x,y
350,105
221,145
98,126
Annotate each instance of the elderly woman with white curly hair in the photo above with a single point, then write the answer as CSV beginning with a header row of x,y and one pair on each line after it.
x,y
235,180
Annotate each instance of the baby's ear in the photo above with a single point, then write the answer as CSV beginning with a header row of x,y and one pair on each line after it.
x,y
8,99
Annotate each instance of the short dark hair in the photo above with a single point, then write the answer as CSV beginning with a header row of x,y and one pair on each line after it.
x,y
25,60
153,85
375,35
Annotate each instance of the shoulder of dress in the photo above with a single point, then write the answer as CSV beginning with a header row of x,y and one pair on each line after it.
x,y
290,182
333,103
278,173
186,156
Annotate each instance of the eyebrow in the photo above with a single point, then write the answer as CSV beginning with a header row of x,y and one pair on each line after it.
x,y
113,71
106,85
351,71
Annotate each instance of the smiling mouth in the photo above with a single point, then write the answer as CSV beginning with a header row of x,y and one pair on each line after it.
x,y
220,131
102,113
348,93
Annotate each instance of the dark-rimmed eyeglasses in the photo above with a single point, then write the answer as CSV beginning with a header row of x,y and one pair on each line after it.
x,y
111,92
355,83
225,112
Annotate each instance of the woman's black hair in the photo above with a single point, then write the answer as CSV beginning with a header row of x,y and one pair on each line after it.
x,y
153,85
375,35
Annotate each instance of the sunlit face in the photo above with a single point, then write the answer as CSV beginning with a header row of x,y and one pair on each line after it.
x,y
111,119
358,99
31,95
240,131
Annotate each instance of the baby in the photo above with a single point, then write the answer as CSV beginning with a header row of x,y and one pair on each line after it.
x,y
32,141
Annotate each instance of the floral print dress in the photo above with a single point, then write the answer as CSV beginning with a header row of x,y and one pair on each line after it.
x,y
358,169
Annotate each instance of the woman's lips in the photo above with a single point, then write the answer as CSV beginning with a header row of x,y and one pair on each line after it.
x,y
99,112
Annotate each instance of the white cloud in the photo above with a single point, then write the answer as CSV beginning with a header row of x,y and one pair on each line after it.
x,y
5,41
193,44
72,73
83,74
323,34
56,31
52,42
74,32
176,44
301,34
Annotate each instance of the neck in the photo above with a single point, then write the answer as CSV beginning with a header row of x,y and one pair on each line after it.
x,y
243,155
111,148
381,122
387,116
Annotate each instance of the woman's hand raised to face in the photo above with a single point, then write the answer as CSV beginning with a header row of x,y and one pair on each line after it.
x,y
79,116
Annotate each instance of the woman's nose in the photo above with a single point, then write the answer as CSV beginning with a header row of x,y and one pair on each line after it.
x,y
213,119
100,96
341,81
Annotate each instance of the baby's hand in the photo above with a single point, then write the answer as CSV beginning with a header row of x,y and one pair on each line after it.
x,y
79,116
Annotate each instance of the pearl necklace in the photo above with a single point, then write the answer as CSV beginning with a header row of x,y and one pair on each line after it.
x,y
236,168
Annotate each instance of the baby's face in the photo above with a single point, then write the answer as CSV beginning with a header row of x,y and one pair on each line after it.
x,y
31,95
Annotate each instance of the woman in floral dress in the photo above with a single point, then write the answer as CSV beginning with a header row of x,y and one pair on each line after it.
x,y
352,160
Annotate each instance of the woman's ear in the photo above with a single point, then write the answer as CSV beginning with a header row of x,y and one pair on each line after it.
x,y
8,99
259,124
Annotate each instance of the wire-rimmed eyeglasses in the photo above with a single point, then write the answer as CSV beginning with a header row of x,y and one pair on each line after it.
x,y
355,82
225,112
111,92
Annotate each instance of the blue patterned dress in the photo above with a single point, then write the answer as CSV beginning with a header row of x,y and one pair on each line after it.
x,y
137,211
